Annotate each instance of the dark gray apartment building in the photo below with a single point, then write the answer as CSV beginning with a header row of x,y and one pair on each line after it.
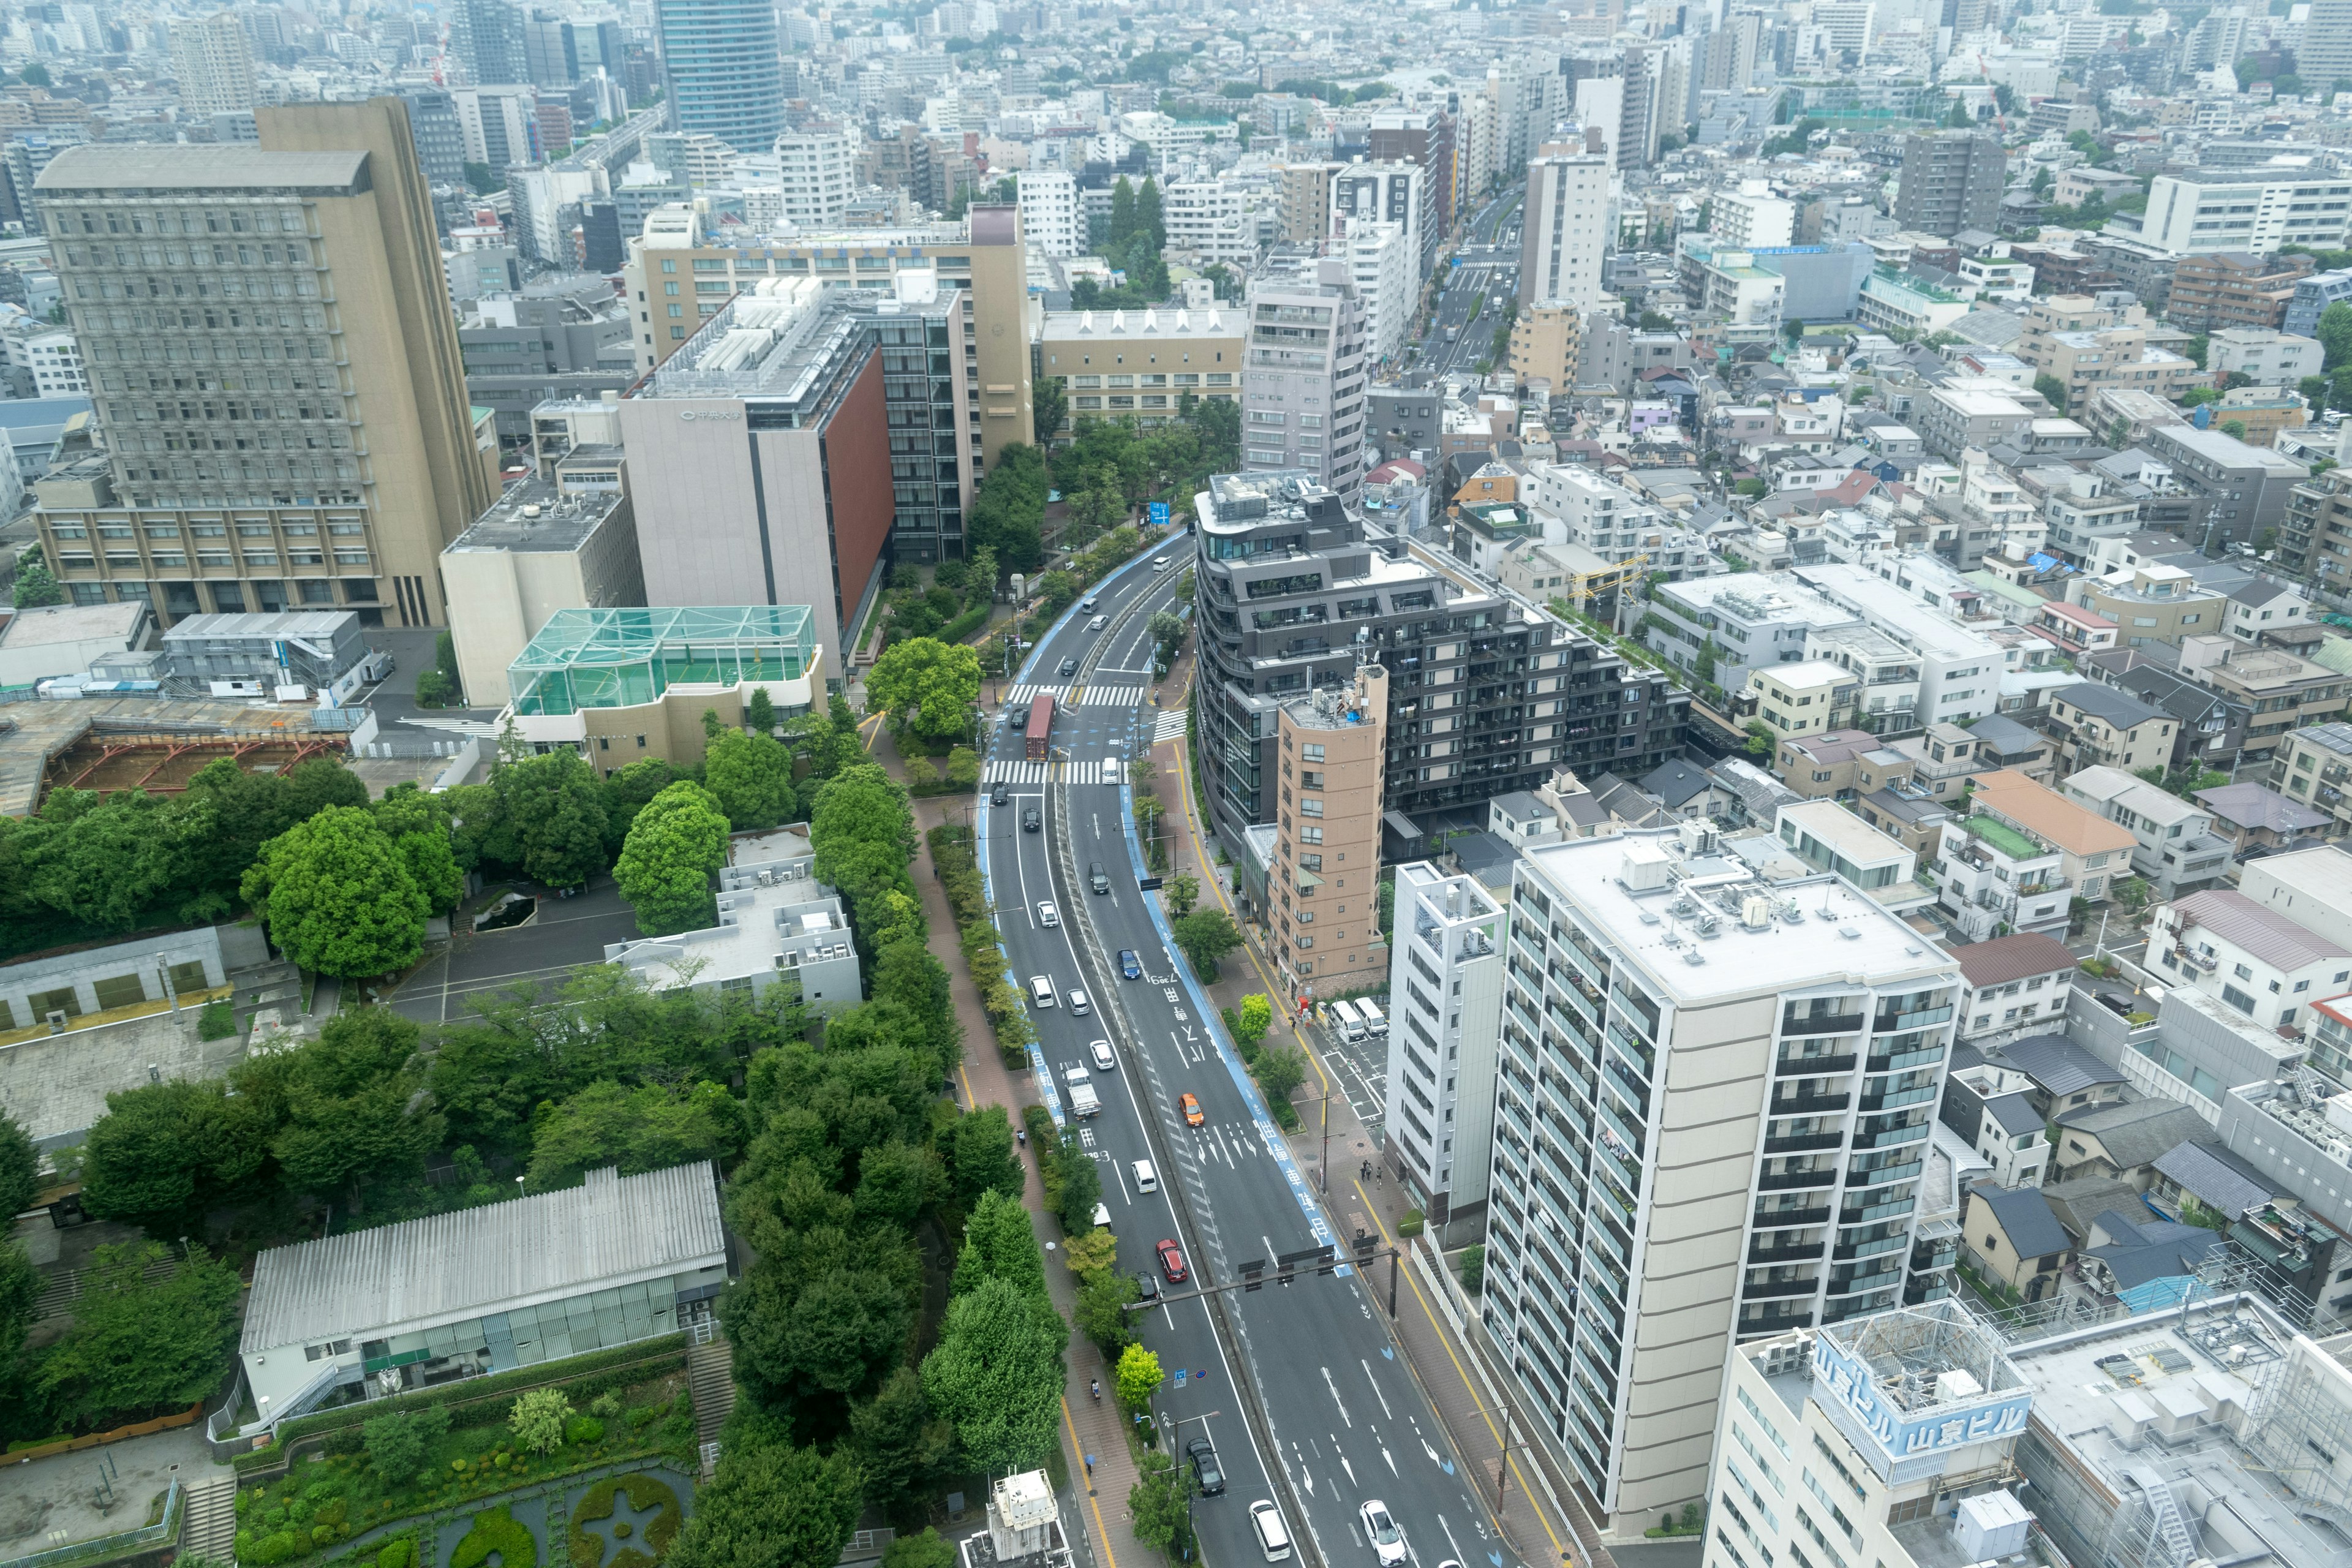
x,y
551,341
1951,181
2248,486
1485,694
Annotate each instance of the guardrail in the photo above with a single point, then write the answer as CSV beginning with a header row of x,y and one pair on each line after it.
x,y
105,1547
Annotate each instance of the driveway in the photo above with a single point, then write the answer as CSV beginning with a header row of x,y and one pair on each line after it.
x,y
564,936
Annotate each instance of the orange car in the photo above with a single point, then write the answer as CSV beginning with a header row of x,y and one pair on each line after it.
x,y
1191,1110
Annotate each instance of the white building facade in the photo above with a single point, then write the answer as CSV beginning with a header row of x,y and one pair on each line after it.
x,y
1445,1002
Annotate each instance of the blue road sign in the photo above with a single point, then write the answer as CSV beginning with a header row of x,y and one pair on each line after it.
x,y
1159,514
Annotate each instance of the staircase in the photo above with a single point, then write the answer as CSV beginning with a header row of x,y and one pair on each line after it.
x,y
210,1528
710,1375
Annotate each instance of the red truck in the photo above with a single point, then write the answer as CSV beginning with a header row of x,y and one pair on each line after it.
x,y
1040,728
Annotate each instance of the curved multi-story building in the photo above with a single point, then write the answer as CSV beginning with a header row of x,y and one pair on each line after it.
x,y
724,66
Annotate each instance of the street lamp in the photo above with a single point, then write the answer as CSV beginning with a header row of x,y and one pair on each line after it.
x,y
1172,1428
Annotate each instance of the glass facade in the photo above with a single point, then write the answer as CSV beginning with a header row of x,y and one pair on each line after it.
x,y
621,658
524,1336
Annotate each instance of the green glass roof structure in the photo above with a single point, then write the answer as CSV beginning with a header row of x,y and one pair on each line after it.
x,y
621,658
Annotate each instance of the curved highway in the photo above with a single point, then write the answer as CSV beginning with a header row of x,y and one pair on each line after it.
x,y
1320,1414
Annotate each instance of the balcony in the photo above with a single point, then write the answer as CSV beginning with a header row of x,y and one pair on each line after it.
x,y
1888,1100
1885,1174
1777,1289
1894,1022
1799,1252
1791,1219
1811,1103
1792,1023
1870,1249
1803,1142
1813,1066
1869,1213
1889,1137
1903,1061
1764,1324
1781,1181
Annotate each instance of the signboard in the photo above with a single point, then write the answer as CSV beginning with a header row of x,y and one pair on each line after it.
x,y
1842,1382
1159,514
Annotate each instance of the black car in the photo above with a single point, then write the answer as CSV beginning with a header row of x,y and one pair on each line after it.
x,y
1203,1455
1129,964
996,796
1069,666
1147,1289
1031,822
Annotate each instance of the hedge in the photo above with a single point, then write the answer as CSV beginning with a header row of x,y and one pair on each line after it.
x,y
964,625
587,1547
496,1530
583,1375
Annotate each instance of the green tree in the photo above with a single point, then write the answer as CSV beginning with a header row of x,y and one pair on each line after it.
x,y
1138,1378
2234,428
759,713
418,825
34,75
1206,936
649,1128
929,1550
1254,1018
771,1505
338,897
399,1445
2051,389
927,687
2335,333
1148,221
1081,1190
1156,1505
1761,739
999,1243
35,586
1049,408
352,1110
899,1443
164,1154
983,1160
552,807
1182,891
1102,1314
537,1419
1122,216
675,846
627,790
750,777
996,1377
1961,119
1280,1070
139,1345
20,1167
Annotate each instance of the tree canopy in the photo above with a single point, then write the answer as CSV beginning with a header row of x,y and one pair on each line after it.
x,y
338,896
677,844
930,689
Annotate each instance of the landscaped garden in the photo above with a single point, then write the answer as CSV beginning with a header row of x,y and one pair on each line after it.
x,y
422,1461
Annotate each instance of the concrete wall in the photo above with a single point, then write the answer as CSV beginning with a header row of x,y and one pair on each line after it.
x,y
30,989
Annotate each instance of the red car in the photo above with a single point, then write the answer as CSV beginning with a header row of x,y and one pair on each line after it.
x,y
1171,1262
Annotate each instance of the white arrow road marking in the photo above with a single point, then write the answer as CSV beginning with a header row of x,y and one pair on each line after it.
x,y
1431,1452
1376,1389
1390,1458
1337,1401
1350,1468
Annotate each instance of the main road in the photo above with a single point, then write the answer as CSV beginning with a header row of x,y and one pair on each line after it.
x,y
1304,1393
1484,273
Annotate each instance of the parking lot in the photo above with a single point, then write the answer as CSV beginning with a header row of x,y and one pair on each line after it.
x,y
564,934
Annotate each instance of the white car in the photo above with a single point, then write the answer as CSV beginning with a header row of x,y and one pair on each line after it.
x,y
1048,917
1097,623
1104,1060
1388,1541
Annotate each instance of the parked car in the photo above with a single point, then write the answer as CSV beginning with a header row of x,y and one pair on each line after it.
x,y
1203,1455
1171,1262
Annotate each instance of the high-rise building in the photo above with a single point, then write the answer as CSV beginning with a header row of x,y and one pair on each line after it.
x,y
1334,751
1566,226
1952,180
1729,61
1049,211
1485,694
1303,383
1713,1104
486,37
1304,191
213,60
816,166
722,63
1400,194
1387,278
996,332
284,398
1546,343
1422,134
1445,1019
802,440
2324,56
440,135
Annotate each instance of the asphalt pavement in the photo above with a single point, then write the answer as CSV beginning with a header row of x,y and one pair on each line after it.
x,y
1337,1419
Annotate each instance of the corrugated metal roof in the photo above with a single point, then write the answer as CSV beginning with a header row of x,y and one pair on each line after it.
x,y
2056,1064
2263,931
611,1230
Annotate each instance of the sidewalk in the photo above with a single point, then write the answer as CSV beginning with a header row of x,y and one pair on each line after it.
x,y
1090,1428
1532,1519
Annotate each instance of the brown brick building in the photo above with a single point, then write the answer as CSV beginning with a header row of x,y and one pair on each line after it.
x,y
2234,289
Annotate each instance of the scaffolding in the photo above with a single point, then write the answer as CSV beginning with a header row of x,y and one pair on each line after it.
x,y
2300,1425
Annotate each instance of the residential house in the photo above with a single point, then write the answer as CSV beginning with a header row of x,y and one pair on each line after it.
x,y
2016,983
2097,725
2260,605
2316,766
1840,765
2152,604
2253,816
2012,1237
2143,1264
1997,878
1802,698
2282,691
1907,814
2253,958
2209,728
2176,850
2059,1073
2075,630
1827,838
1984,1106
2097,853
2004,743
1943,759
2121,1139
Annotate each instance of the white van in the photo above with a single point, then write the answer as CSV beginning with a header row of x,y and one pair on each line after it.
x,y
1273,1538
1376,1023
1147,1180
1345,1021
1087,605
1040,991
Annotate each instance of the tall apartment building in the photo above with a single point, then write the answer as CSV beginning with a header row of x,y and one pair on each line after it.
x,y
1727,63
1713,1108
2325,47
1303,192
2234,289
996,339
1566,227
486,37
2258,210
1333,742
1387,277
1445,1008
1303,383
1546,346
1422,134
724,69
816,166
1749,219
1486,695
212,61
1952,180
803,439
1400,194
276,366
1049,211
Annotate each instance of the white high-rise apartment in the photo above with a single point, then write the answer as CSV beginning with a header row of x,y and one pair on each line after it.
x,y
816,166
1049,211
1384,269
1302,376
1208,220
1712,1108
1752,218
213,60
1446,1005
1566,224
1397,193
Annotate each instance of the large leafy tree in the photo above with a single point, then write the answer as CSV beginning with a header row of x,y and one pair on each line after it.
x,y
899,1444
639,1130
927,687
750,777
1206,936
165,1152
418,825
351,1111
996,1377
2336,336
678,841
141,1346
20,1167
771,1505
553,807
983,1160
338,896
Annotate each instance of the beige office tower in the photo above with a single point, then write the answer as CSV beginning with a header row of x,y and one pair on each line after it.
x,y
1324,900
999,328
1304,193
267,335
213,60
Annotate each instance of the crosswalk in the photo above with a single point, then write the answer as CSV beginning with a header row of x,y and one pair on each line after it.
x,y
1093,771
1106,696
1024,694
1168,725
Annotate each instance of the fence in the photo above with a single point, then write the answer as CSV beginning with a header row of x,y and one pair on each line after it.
x,y
111,1546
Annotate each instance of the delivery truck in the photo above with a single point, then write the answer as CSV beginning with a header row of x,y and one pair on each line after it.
x,y
1040,731
1083,1101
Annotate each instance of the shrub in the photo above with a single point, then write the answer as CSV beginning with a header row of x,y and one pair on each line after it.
x,y
584,1430
607,1405
217,1021
397,1444
400,1553
496,1530
928,1549
1411,1225
586,1547
277,1546
537,1421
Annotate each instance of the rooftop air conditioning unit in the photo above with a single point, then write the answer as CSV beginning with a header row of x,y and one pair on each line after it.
x,y
1756,912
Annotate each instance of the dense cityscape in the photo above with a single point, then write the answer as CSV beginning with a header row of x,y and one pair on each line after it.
x,y
691,691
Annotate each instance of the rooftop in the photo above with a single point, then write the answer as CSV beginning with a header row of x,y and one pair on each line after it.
x,y
47,624
619,657
1679,917
533,515
611,1230
2102,701
2008,958
2263,931
2048,815
149,168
